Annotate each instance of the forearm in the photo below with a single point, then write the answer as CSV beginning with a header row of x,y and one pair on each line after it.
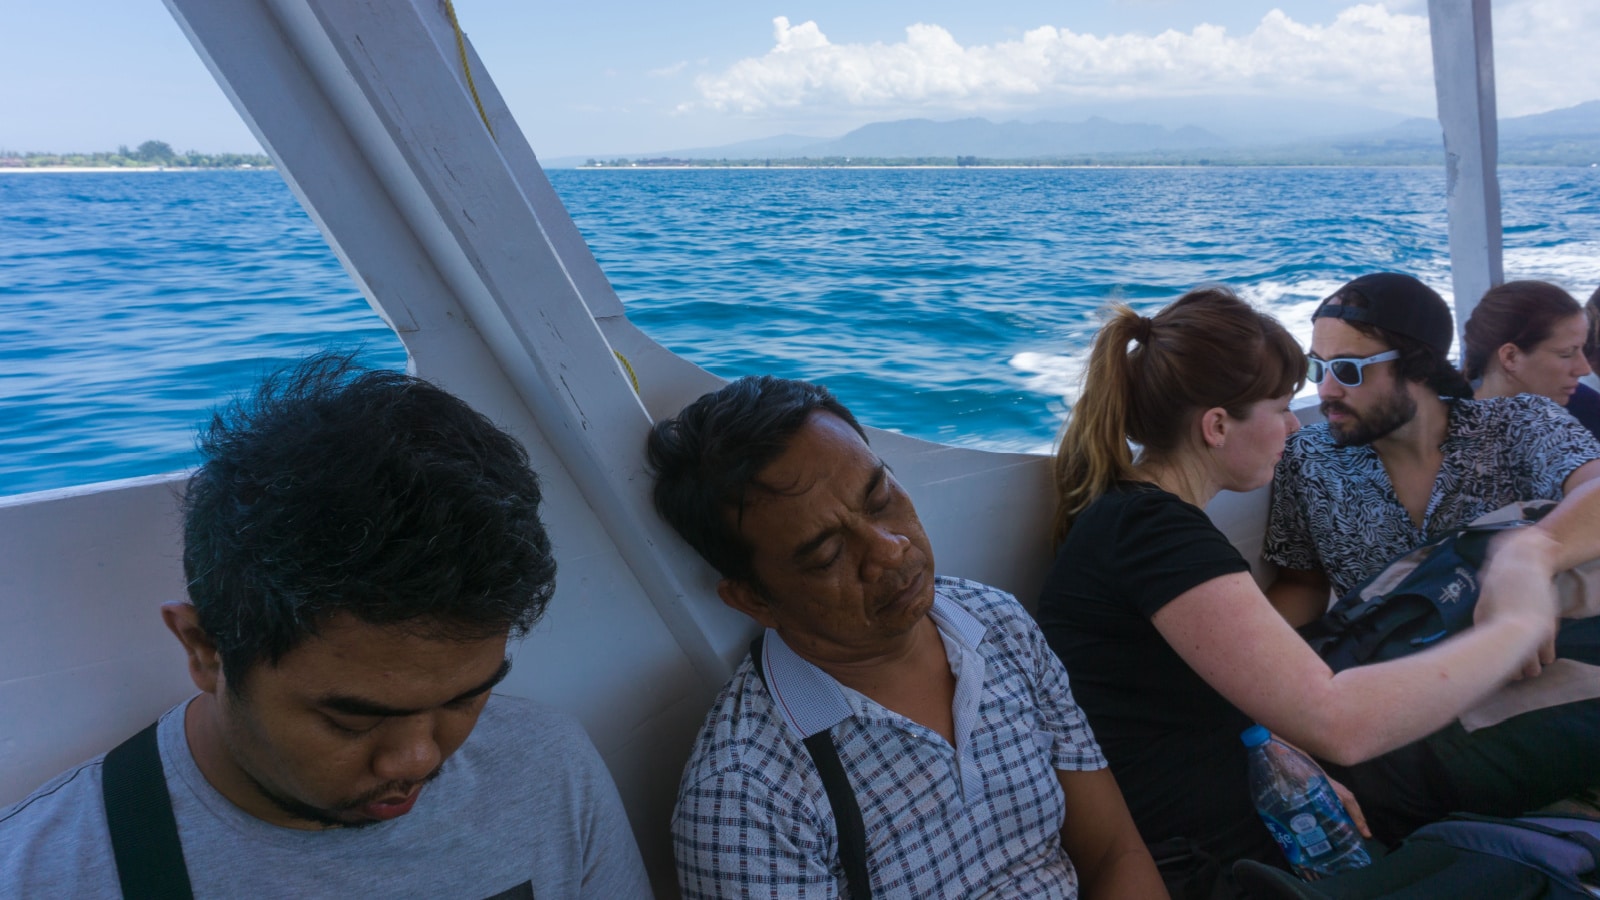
x,y
1573,527
1232,637
1124,871
1102,842
1369,710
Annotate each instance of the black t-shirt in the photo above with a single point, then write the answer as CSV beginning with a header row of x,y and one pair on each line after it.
x,y
1171,739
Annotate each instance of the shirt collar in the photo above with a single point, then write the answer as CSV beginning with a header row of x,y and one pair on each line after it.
x,y
809,700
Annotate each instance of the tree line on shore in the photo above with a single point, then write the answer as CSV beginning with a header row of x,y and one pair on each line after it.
x,y
150,154
1554,152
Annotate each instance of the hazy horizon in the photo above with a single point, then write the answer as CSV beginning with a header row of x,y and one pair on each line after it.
x,y
632,76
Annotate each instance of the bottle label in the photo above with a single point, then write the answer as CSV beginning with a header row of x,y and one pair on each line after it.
x,y
1302,833
1310,837
1285,838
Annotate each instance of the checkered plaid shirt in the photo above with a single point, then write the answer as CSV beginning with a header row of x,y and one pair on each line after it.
x,y
982,818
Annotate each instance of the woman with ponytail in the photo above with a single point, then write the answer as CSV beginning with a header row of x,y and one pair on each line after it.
x,y
1171,646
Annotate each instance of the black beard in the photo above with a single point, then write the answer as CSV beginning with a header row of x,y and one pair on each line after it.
x,y
1395,410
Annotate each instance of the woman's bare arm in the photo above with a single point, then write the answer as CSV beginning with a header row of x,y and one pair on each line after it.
x,y
1228,632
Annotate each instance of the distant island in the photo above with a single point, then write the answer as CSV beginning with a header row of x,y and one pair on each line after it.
x,y
981,162
148,155
1564,137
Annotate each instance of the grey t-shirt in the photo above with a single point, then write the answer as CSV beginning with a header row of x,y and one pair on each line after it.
x,y
526,798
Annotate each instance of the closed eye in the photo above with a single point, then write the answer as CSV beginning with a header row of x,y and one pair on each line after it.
x,y
468,701
352,729
826,564
881,501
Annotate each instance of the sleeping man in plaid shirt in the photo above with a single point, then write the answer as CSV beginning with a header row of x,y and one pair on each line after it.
x,y
975,772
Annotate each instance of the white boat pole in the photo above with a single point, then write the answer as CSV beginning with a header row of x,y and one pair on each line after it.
x,y
361,105
1463,74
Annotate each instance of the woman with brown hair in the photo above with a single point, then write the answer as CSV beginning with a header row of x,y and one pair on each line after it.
x,y
1529,337
1171,646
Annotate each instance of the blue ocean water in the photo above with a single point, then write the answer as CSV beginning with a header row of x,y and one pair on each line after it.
x,y
947,303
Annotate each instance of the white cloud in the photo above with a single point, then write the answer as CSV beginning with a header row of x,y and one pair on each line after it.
x,y
1544,54
1373,54
669,71
1367,53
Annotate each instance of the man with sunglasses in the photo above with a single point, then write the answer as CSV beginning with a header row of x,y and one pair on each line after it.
x,y
1405,455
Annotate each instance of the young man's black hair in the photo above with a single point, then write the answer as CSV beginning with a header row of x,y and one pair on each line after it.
x,y
1410,317
334,489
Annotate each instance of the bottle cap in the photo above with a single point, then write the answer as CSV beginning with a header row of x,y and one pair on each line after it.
x,y
1255,736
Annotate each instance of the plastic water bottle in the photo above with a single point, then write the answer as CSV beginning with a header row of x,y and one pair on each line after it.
x,y
1299,807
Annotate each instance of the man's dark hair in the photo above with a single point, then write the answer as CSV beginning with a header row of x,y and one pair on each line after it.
x,y
1419,360
335,489
706,460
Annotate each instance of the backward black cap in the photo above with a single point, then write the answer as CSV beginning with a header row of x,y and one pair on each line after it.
x,y
1397,303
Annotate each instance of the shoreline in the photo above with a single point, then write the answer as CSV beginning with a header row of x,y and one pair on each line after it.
x,y
1020,167
81,170
1285,165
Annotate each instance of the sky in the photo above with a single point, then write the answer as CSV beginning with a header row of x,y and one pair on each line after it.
x,y
626,77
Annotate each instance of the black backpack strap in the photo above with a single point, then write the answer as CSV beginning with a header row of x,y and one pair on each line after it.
x,y
144,833
523,891
846,814
841,797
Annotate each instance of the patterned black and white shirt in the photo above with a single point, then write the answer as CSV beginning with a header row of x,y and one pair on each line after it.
x,y
1334,508
982,818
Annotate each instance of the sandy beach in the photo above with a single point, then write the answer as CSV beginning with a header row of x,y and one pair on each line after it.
x,y
8,170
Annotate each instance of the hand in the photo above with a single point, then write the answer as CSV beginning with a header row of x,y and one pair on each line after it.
x,y
1518,582
1351,807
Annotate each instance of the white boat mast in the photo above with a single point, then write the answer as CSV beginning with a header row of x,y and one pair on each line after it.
x,y
1463,74
454,235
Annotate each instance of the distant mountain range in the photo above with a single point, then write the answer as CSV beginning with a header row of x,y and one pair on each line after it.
x,y
1011,140
1561,137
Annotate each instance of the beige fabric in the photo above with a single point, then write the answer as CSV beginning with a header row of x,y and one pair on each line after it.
x,y
1563,681
1579,588
1580,591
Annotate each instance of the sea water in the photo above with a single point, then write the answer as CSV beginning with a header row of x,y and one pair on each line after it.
x,y
951,304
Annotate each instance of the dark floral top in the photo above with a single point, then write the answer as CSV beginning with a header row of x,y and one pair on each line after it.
x,y
1334,508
